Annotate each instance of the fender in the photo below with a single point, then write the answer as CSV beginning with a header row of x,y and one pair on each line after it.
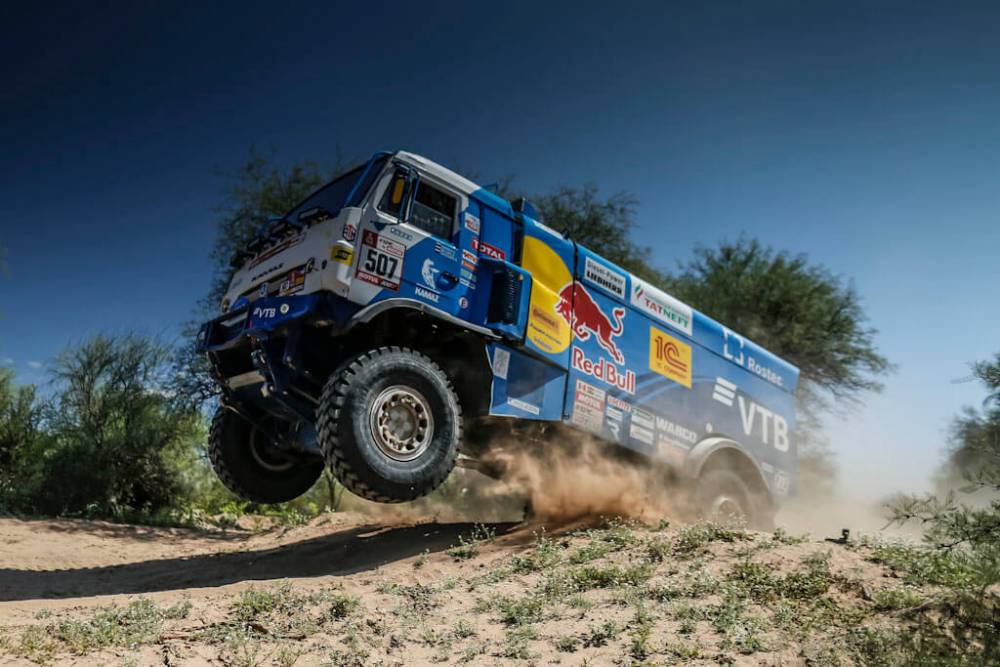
x,y
701,452
370,311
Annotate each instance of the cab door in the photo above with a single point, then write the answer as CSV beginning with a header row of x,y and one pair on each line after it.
x,y
406,247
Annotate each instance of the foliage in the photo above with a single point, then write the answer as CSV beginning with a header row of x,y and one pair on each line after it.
x,y
973,434
801,312
257,191
20,416
111,434
963,539
602,223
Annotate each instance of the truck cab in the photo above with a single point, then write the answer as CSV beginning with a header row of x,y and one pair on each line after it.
x,y
401,312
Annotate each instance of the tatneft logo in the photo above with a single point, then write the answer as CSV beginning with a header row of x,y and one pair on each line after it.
x,y
602,276
662,306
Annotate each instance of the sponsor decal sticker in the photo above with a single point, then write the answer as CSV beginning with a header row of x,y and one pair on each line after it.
x,y
426,294
604,370
732,349
501,362
669,357
381,261
429,273
585,317
350,232
608,279
724,391
463,303
523,405
472,223
546,330
446,251
770,427
588,407
615,421
675,432
401,233
284,309
292,283
489,250
342,255
641,426
661,306
274,250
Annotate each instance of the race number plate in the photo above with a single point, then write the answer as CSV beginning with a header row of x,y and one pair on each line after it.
x,y
381,261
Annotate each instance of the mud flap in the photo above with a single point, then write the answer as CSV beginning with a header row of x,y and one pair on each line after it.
x,y
524,386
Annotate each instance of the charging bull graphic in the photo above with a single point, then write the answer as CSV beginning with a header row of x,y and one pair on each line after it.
x,y
582,313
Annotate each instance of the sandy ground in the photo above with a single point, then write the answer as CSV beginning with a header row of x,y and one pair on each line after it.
x,y
414,594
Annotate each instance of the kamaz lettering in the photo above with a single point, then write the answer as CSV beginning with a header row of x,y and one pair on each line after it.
x,y
373,364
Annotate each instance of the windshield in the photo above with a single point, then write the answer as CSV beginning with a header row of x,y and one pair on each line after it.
x,y
333,196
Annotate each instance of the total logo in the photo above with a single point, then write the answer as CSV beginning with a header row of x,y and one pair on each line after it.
x,y
585,317
757,421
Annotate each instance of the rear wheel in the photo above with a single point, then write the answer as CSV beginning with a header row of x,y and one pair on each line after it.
x,y
253,468
389,425
722,496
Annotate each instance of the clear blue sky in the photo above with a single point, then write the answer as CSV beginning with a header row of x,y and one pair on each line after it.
x,y
867,137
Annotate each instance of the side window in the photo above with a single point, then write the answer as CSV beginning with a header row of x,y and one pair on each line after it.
x,y
433,211
392,199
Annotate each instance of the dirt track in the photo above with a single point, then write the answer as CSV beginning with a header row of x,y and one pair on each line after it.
x,y
46,563
529,594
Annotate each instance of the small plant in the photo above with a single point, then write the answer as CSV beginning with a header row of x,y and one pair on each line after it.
x,y
468,547
343,605
463,629
568,643
694,539
516,643
600,634
891,599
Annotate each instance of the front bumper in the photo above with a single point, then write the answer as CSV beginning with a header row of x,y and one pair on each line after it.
x,y
256,355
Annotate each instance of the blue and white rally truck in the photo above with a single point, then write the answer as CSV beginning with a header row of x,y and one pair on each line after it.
x,y
402,303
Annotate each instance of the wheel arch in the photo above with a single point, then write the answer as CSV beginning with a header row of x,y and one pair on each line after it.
x,y
726,453
458,347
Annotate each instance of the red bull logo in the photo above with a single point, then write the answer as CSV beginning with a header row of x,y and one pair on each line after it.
x,y
585,317
604,371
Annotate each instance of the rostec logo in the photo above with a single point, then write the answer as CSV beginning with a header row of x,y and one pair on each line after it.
x,y
724,391
582,313
732,349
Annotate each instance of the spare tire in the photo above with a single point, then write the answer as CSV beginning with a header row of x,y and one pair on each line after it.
x,y
389,424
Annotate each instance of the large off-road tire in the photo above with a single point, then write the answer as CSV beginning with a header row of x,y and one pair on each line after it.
x,y
389,424
722,496
254,469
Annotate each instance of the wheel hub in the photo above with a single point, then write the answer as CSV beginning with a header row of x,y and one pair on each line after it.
x,y
401,423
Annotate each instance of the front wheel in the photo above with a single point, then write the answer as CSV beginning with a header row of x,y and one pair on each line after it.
x,y
389,425
250,466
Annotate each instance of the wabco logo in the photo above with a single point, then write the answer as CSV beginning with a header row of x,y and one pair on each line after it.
x,y
582,313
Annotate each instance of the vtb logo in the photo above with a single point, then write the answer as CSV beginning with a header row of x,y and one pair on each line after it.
x,y
582,313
